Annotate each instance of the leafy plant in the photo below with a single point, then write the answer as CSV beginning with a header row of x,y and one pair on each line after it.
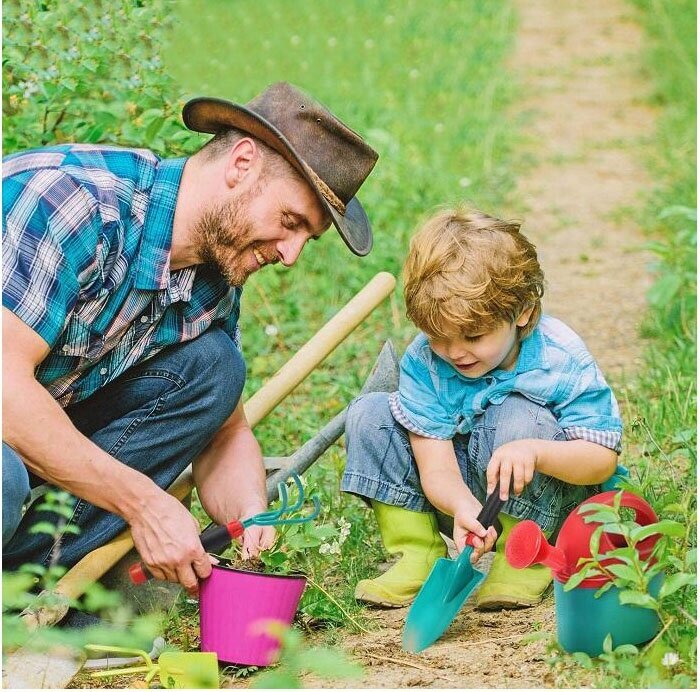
x,y
30,589
630,573
296,659
89,72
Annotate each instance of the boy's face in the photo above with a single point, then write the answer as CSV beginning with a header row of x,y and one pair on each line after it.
x,y
474,356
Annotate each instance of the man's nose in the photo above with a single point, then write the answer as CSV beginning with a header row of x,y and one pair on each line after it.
x,y
290,248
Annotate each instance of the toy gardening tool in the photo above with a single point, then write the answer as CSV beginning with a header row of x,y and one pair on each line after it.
x,y
178,670
215,538
447,587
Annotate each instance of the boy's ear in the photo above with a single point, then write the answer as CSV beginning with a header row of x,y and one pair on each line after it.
x,y
243,158
524,316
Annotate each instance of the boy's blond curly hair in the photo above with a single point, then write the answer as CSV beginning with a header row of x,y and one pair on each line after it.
x,y
467,272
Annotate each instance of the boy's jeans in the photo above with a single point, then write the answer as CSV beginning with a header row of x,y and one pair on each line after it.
x,y
381,466
156,418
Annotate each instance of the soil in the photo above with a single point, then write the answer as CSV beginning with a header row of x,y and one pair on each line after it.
x,y
584,97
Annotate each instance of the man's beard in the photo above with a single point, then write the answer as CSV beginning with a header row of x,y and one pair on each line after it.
x,y
223,236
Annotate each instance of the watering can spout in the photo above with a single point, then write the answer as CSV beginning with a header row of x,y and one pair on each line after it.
x,y
527,545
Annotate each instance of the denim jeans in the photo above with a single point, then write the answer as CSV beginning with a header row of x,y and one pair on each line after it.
x,y
381,466
156,418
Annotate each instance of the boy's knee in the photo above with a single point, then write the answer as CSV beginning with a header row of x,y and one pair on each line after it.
x,y
15,491
368,411
519,418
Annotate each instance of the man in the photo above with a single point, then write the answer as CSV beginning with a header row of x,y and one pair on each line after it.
x,y
122,283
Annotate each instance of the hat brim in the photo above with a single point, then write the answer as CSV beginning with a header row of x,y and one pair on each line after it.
x,y
213,115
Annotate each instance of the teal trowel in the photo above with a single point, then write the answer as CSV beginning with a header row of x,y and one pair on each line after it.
x,y
449,584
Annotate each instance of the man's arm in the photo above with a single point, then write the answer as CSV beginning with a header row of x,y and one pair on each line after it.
x,y
165,533
230,480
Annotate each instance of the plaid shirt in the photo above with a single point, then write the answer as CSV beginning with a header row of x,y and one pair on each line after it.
x,y
554,369
86,263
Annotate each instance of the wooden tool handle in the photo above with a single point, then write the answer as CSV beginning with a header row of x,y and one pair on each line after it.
x,y
95,564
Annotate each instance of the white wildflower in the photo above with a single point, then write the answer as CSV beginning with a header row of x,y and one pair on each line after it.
x,y
332,548
465,182
670,659
343,529
271,330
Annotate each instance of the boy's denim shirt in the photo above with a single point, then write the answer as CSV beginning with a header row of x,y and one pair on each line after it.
x,y
554,369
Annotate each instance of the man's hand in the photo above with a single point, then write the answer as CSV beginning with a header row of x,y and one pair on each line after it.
x,y
516,460
256,539
465,522
166,536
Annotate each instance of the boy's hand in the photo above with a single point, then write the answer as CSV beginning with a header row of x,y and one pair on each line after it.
x,y
465,522
516,460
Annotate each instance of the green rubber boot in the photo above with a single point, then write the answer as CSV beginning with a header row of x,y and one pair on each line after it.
x,y
413,534
508,587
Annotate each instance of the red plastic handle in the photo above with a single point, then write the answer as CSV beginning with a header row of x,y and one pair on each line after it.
x,y
213,539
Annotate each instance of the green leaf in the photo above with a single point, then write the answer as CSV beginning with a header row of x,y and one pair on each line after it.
x,y
62,510
607,644
535,637
606,587
675,582
643,600
665,527
328,663
595,541
276,680
625,649
623,571
577,578
583,659
43,527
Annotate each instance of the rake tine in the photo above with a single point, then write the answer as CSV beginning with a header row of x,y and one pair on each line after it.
x,y
300,490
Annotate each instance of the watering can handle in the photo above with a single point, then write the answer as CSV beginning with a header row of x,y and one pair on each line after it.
x,y
487,516
214,539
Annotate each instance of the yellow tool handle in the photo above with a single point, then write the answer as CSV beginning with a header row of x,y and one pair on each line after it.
x,y
95,564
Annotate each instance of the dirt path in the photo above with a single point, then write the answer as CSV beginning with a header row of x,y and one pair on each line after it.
x,y
584,98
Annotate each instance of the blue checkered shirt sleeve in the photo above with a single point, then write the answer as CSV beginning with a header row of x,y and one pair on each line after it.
x,y
416,406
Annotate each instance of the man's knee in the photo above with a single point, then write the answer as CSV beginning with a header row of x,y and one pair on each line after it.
x,y
15,491
218,369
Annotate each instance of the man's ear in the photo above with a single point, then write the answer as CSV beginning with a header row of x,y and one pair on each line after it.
x,y
243,159
524,316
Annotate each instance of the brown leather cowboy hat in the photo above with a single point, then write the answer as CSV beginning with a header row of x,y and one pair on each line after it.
x,y
334,159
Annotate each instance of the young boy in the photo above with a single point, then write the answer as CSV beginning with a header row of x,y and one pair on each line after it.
x,y
491,393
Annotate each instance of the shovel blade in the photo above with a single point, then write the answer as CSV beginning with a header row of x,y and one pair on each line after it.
x,y
432,613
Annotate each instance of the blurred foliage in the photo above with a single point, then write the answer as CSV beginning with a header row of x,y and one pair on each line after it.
x,y
89,72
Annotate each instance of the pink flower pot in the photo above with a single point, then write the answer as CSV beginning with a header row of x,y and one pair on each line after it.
x,y
234,604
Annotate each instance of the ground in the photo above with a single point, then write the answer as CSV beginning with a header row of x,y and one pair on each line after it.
x,y
584,100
